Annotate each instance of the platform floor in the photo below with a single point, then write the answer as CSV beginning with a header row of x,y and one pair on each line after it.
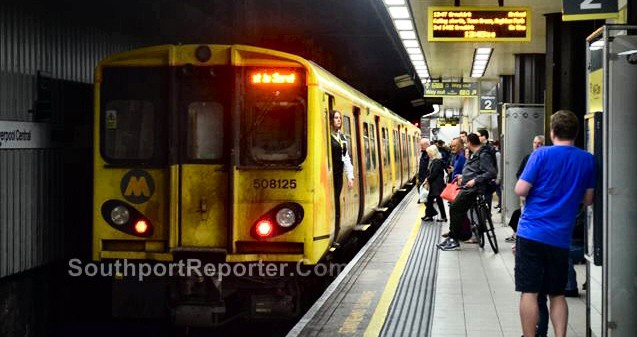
x,y
401,285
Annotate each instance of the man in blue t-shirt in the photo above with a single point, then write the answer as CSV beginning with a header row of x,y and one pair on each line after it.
x,y
556,180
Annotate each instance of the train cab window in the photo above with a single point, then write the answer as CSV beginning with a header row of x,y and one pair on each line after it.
x,y
133,115
372,144
273,125
368,164
203,117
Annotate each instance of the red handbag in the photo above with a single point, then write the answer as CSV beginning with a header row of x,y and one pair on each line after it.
x,y
450,192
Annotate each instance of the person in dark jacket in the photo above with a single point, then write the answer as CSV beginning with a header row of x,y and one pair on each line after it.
x,y
477,173
436,183
423,166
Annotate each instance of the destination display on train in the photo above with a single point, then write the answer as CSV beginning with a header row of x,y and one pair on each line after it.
x,y
470,24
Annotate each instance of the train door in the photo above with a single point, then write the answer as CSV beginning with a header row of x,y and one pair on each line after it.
x,y
381,159
362,168
398,165
351,199
203,110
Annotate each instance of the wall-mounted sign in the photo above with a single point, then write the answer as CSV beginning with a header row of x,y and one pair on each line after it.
x,y
589,9
454,89
479,24
24,135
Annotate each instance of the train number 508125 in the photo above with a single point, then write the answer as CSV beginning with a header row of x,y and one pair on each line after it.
x,y
274,184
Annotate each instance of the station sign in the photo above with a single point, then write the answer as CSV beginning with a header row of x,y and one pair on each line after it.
x,y
451,89
573,10
25,135
470,24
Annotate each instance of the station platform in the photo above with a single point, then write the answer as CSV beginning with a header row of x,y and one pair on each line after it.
x,y
400,284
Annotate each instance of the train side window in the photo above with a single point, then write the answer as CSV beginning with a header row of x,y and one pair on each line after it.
x,y
396,148
204,117
347,132
372,144
386,147
368,164
404,144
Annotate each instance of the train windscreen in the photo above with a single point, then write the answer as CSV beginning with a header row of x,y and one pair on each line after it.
x,y
273,118
133,103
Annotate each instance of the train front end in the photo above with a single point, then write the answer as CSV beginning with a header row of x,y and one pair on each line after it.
x,y
206,169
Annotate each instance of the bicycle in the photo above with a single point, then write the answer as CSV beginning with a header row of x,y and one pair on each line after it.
x,y
483,224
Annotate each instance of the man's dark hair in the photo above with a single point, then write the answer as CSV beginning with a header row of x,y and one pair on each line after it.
x,y
564,125
484,133
440,142
473,139
463,132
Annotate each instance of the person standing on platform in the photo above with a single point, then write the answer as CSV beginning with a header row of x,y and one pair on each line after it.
x,y
556,180
457,158
436,181
423,166
341,162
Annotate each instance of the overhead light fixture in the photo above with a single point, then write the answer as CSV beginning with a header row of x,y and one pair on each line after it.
x,y
400,13
481,57
407,34
628,52
418,102
403,81
411,44
404,24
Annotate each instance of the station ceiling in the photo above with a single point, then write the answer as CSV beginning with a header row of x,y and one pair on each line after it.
x,y
354,39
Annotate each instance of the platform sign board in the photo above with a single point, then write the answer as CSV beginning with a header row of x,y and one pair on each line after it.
x,y
451,89
25,135
573,10
471,24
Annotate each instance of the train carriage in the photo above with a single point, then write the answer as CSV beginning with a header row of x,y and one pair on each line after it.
x,y
223,153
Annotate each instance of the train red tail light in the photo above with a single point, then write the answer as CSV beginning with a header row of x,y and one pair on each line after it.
x,y
278,220
126,218
141,227
264,228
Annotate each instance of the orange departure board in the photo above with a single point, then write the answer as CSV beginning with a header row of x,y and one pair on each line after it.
x,y
471,24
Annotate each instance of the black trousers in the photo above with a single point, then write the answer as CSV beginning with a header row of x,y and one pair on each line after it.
x,y
429,207
338,186
458,211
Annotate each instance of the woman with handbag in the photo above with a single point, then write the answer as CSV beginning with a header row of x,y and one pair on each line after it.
x,y
436,181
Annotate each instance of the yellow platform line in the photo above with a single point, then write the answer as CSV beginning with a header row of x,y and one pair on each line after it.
x,y
380,314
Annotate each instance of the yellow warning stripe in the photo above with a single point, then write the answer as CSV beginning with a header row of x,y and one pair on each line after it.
x,y
380,314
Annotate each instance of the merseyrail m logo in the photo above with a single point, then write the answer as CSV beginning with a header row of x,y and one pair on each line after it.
x,y
137,186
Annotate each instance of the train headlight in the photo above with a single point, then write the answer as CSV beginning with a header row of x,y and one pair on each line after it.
x,y
285,217
120,215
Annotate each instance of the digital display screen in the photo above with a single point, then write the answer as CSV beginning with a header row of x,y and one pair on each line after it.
x,y
264,77
457,24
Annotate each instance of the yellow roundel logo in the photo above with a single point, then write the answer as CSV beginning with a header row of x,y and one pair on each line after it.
x,y
137,186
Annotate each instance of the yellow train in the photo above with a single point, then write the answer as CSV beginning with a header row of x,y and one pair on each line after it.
x,y
197,145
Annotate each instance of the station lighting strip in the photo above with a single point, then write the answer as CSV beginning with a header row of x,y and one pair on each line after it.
x,y
404,24
481,57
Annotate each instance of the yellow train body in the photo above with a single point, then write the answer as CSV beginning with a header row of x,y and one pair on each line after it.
x,y
188,178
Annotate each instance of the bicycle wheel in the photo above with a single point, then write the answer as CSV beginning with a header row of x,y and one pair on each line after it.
x,y
489,229
478,227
